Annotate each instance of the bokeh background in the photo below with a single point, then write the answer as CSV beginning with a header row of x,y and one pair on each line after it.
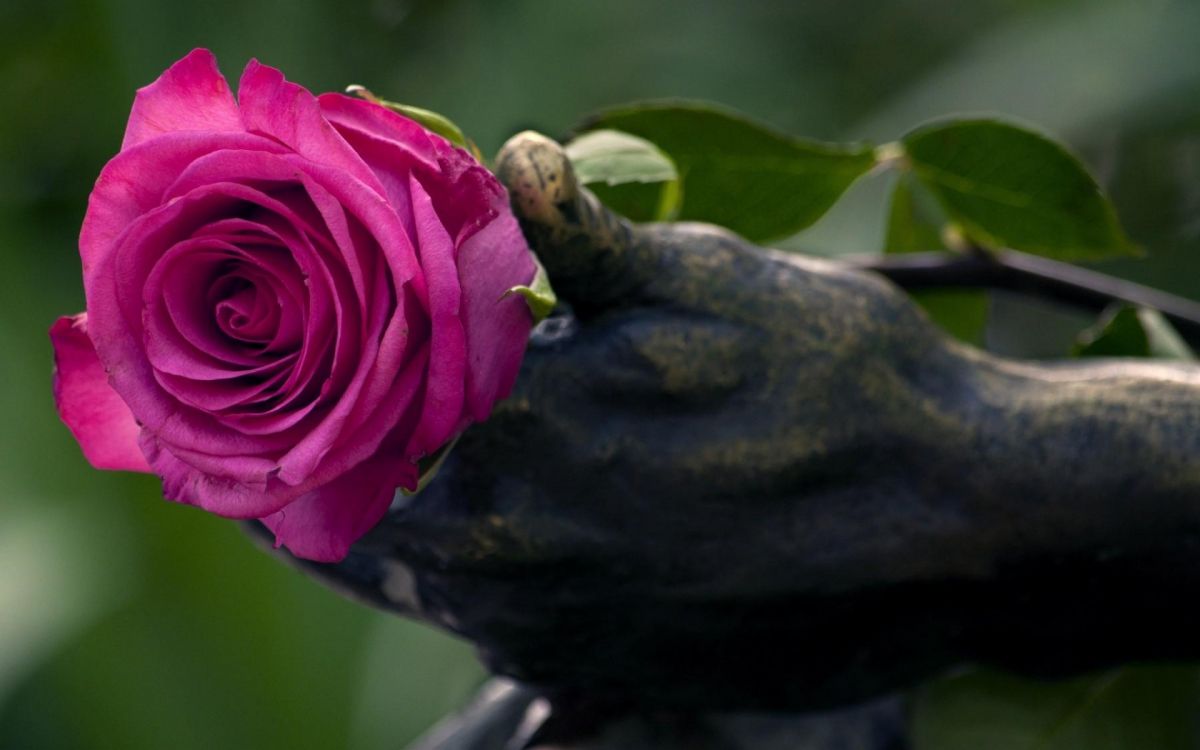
x,y
129,622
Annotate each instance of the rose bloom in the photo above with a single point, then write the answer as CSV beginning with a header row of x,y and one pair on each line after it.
x,y
291,300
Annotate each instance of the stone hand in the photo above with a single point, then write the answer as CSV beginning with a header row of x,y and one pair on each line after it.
x,y
730,478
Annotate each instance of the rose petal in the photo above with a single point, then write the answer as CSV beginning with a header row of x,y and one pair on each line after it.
x,y
95,414
273,106
234,488
381,126
291,219
492,261
391,146
322,524
175,303
466,195
390,422
442,413
191,95
120,339
133,182
338,194
351,252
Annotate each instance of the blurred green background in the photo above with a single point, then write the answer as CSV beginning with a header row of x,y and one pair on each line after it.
x,y
130,622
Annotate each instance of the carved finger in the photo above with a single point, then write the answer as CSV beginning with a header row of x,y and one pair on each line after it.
x,y
595,258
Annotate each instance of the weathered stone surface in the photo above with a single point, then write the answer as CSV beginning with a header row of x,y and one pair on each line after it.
x,y
734,479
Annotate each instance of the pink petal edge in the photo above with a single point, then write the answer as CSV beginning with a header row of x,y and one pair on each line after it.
x,y
190,95
323,524
444,388
100,421
497,326
273,106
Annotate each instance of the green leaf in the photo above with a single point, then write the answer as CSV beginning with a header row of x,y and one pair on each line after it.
x,y
963,315
1134,708
1132,332
1005,186
739,173
427,119
615,158
539,295
629,174
915,220
642,201
915,224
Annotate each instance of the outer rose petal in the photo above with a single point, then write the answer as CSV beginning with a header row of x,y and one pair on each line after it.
x,y
324,523
274,106
497,327
216,494
133,183
443,410
383,126
191,95
95,414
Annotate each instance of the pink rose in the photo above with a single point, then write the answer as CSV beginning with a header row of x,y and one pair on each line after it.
x,y
290,300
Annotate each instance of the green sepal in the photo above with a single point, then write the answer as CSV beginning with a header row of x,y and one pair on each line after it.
x,y
538,294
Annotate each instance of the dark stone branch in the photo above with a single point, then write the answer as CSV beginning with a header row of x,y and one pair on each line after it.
x,y
1040,277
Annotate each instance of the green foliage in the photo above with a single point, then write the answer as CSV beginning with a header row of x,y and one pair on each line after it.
x,y
994,184
738,173
1135,708
615,158
642,201
915,220
915,224
1005,186
1132,332
629,174
962,314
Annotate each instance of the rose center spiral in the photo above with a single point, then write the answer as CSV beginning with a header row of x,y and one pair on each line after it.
x,y
243,310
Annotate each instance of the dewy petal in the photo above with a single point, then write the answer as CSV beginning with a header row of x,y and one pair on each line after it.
x,y
443,408
322,524
95,414
191,95
273,106
490,262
